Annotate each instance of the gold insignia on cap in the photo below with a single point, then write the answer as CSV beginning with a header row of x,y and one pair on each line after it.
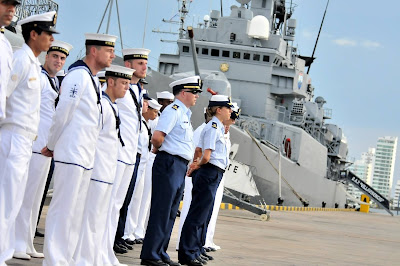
x,y
224,67
55,19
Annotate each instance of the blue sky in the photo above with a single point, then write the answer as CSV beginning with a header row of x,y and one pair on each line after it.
x,y
354,71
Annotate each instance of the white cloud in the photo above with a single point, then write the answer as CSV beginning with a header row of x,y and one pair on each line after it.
x,y
345,42
371,44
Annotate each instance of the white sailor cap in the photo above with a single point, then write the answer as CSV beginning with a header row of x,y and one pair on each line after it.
x,y
61,73
60,46
235,111
135,53
119,72
165,95
100,39
146,95
102,76
220,100
192,83
154,104
45,21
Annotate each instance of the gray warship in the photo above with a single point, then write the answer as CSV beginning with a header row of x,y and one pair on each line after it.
x,y
283,132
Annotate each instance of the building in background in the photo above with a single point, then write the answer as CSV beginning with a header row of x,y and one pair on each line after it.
x,y
364,169
396,194
385,158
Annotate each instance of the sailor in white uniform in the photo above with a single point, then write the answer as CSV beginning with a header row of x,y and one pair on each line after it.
x,y
20,127
173,143
7,11
39,165
136,215
105,164
130,113
73,137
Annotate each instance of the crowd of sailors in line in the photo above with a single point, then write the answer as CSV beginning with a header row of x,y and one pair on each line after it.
x,y
120,160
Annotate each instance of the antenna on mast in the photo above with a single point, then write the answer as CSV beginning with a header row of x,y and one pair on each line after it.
x,y
109,6
316,42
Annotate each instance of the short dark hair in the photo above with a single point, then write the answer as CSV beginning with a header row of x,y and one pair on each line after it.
x,y
26,32
88,47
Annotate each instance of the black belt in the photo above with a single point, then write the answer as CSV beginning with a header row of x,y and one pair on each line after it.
x,y
210,165
176,156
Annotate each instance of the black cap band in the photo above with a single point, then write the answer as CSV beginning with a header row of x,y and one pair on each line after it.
x,y
220,103
118,75
135,56
58,49
100,43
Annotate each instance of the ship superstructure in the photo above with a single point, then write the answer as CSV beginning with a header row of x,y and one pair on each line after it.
x,y
253,50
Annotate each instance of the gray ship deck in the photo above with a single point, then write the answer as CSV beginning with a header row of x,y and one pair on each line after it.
x,y
291,238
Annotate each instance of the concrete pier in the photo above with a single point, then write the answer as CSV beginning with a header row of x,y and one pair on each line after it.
x,y
291,238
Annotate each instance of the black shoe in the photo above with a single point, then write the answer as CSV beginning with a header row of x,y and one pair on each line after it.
x,y
211,249
130,241
124,244
207,256
207,249
118,249
194,262
202,260
203,257
153,262
171,263
38,234
139,241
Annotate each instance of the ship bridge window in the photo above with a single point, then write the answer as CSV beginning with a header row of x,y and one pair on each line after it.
x,y
197,50
214,52
256,57
266,58
226,54
264,4
204,51
246,56
236,55
185,49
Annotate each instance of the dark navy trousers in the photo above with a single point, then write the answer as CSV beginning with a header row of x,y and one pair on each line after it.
x,y
124,209
168,182
205,185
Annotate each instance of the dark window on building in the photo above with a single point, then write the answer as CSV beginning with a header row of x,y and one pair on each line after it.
x,y
246,56
214,52
256,57
197,50
266,58
264,4
185,49
225,53
236,55
204,51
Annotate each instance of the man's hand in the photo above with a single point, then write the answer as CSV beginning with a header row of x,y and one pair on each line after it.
x,y
46,152
194,166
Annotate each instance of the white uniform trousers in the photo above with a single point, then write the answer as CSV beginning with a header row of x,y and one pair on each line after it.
x,y
15,154
64,217
213,221
88,250
123,177
25,224
187,199
134,206
144,210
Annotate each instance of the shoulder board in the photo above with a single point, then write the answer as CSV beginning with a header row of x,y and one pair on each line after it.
x,y
175,106
214,125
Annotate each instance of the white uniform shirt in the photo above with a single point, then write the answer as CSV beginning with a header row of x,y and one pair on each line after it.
x,y
77,121
5,69
23,92
47,110
105,162
143,145
129,125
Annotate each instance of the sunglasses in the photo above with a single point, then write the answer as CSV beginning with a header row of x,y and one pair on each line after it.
x,y
194,91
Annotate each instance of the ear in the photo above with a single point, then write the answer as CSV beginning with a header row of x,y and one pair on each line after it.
x,y
33,35
127,64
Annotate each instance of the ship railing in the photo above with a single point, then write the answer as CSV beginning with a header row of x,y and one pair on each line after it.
x,y
275,112
33,7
